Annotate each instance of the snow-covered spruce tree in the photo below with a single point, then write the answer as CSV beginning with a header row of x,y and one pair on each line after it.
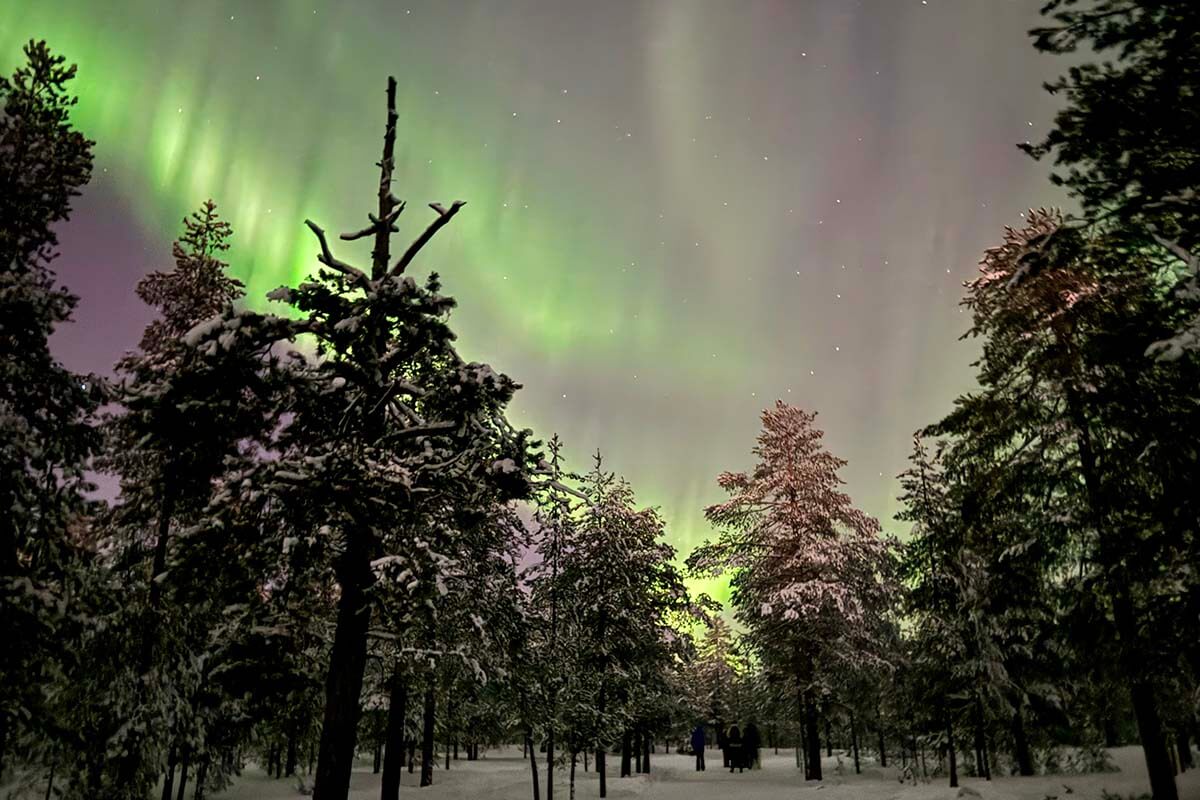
x,y
623,607
389,423
553,524
182,415
45,438
809,573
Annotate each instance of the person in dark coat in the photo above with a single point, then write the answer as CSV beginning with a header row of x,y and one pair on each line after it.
x,y
751,741
733,745
698,747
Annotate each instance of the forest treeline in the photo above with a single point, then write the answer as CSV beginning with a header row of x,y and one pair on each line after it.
x,y
329,541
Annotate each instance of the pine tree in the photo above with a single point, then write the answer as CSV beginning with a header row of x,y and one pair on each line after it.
x,y
809,572
182,416
1123,141
390,431
1072,416
45,438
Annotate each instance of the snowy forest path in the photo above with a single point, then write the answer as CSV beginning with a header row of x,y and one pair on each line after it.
x,y
504,775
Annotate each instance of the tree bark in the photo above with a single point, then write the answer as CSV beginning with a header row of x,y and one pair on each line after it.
x,y
533,769
343,683
393,751
427,735
600,767
292,755
828,739
183,771
1021,745
550,763
812,734
953,757
625,755
201,777
854,745
571,779
647,748
169,778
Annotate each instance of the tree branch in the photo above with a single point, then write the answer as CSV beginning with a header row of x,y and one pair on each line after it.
x,y
327,257
443,216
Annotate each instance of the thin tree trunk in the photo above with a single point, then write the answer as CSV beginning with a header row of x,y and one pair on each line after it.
x,y
600,767
1021,745
183,770
427,736
828,739
533,769
882,745
550,763
854,745
50,783
571,780
343,683
412,754
292,756
201,777
377,761
393,751
169,778
625,755
950,751
647,748
982,767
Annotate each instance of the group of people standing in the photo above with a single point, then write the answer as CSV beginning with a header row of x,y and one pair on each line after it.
x,y
739,748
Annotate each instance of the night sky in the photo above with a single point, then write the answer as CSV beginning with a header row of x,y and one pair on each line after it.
x,y
677,211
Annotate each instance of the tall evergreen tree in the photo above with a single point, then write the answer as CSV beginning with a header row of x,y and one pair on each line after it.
x,y
45,438
810,574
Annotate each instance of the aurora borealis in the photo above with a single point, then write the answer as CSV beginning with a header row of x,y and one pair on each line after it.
x,y
677,211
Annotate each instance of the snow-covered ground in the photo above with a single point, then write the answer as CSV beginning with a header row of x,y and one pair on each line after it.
x,y
504,775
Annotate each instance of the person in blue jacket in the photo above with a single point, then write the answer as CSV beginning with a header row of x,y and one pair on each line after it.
x,y
698,743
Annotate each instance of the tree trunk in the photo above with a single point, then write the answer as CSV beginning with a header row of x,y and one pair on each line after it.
x,y
169,778
854,745
1021,745
982,757
1145,708
183,770
427,736
571,779
201,777
950,751
343,683
828,739
600,767
625,755
377,761
813,736
292,756
647,748
1182,744
882,745
550,764
393,751
412,754
533,769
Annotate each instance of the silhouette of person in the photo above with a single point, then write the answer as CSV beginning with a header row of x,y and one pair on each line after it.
x,y
751,741
733,745
698,747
